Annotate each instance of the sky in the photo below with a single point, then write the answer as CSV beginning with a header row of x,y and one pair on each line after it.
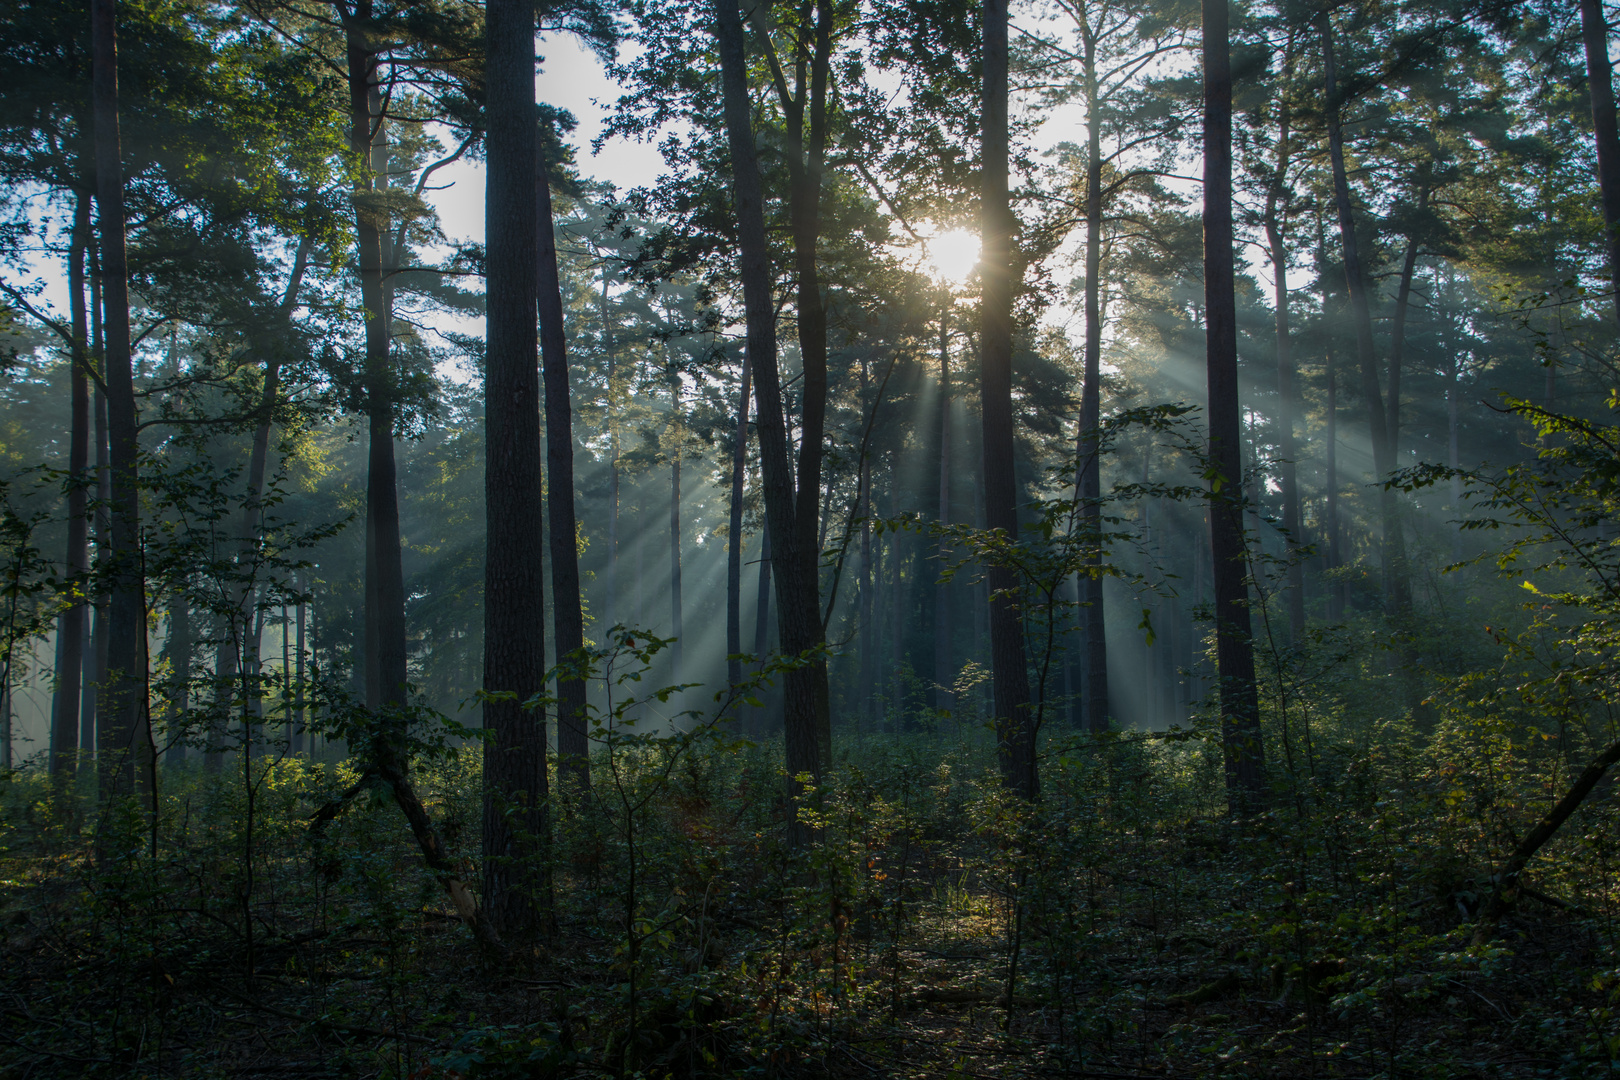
x,y
571,78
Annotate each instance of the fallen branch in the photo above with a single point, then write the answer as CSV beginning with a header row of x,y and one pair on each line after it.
x,y
1507,879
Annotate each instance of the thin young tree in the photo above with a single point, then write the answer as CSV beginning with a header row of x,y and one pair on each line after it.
x,y
568,615
70,630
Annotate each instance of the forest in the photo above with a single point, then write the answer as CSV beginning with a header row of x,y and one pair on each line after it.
x,y
1070,538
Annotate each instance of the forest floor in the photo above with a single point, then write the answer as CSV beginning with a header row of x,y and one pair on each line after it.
x,y
1180,950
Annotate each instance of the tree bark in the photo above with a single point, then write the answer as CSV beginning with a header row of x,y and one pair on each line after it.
x,y
942,698
1396,594
1276,211
1088,479
792,516
128,742
734,534
299,695
1014,721
1234,649
567,613
609,351
96,628
677,625
515,825
70,627
1600,83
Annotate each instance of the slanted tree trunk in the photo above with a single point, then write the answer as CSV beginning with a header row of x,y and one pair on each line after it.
x,y
1014,720
567,613
762,609
1275,217
1507,878
127,745
734,534
70,626
515,826
792,513
1600,83
1234,649
1088,475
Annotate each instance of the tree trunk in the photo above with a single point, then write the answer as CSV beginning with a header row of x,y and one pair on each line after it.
x,y
96,647
515,825
608,350
734,534
70,625
1234,651
1336,591
677,628
1287,388
792,517
567,613
1599,78
762,597
234,653
128,741
1507,878
1014,721
1391,570
299,695
1088,478
868,632
943,675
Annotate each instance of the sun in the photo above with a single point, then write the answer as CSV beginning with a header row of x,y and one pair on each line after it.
x,y
953,255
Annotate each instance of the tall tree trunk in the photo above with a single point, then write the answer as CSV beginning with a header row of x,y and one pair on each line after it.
x,y
515,782
677,627
1014,720
101,517
1400,582
1276,212
71,624
567,613
943,675
734,534
299,694
1088,477
1391,570
868,631
609,350
1336,591
1600,83
128,744
762,602
792,516
1234,649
